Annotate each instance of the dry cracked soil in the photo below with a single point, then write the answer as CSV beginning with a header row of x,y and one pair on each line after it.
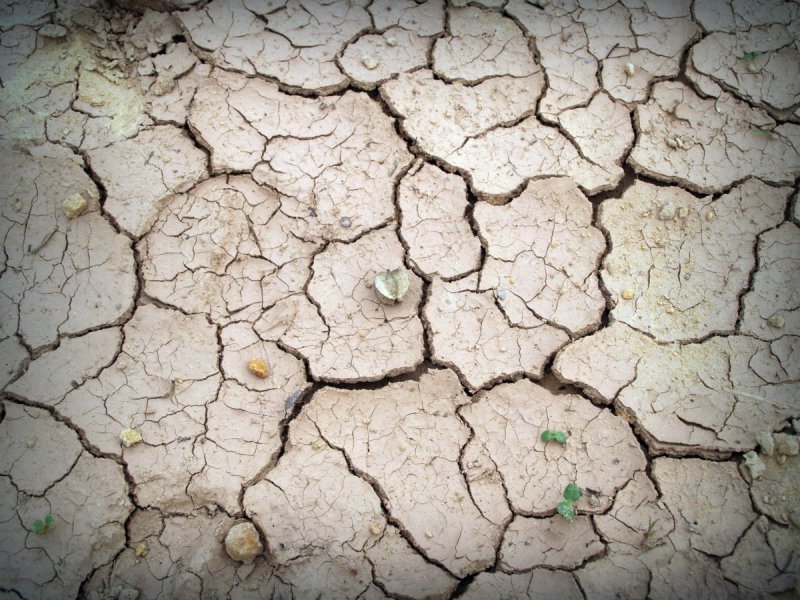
x,y
322,299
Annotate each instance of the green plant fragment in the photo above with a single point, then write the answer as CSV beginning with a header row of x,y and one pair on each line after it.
x,y
572,492
566,509
558,436
748,56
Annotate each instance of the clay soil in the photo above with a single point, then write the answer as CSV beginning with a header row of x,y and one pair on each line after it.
x,y
325,299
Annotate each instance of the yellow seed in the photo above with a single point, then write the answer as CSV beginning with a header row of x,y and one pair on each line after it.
x,y
258,367
627,294
375,529
141,550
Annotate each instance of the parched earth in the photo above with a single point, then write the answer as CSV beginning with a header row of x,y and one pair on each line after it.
x,y
595,203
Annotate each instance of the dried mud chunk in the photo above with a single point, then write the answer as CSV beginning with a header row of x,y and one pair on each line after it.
x,y
240,341
770,307
482,44
402,570
316,514
543,249
38,83
159,162
721,144
347,172
563,48
709,500
552,542
638,520
775,492
161,474
687,271
602,131
502,160
243,436
718,395
388,443
366,340
434,225
601,453
233,142
603,363
59,276
80,542
441,117
469,333
37,450
538,583
395,51
13,356
222,249
765,559
53,374
159,384
614,576
771,79
186,557
685,574
423,18
298,46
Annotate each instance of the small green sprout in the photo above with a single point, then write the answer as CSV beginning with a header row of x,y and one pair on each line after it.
x,y
764,132
558,436
748,56
647,542
43,526
566,508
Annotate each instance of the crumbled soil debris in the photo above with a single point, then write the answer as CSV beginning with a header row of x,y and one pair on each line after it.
x,y
414,299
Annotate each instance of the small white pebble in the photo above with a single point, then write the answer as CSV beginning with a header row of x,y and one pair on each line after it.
x,y
369,61
630,69
392,41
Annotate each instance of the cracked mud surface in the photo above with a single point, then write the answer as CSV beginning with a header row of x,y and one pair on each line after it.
x,y
596,207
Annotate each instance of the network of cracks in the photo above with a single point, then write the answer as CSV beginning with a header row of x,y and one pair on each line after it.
x,y
595,202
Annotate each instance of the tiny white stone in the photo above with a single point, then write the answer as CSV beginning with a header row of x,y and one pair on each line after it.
x,y
630,69
369,61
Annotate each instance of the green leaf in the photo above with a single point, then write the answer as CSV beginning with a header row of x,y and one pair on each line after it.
x,y
651,529
38,527
748,56
49,521
559,436
566,509
764,132
572,492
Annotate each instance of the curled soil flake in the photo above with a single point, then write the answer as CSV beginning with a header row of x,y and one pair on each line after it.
x,y
391,286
